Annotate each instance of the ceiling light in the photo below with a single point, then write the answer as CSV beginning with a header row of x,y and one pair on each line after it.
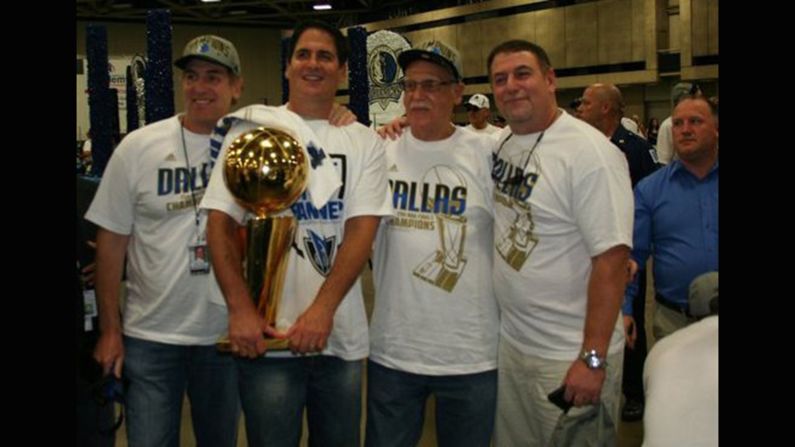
x,y
322,6
210,1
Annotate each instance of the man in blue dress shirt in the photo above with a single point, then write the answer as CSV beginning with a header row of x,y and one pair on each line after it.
x,y
676,215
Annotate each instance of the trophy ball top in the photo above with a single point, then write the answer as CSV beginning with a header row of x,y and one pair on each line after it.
x,y
266,170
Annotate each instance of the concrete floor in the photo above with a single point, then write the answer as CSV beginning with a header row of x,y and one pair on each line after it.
x,y
630,434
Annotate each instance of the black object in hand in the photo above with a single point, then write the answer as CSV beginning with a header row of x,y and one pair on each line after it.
x,y
557,398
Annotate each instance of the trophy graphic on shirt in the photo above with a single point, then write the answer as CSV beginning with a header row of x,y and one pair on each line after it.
x,y
444,265
517,243
266,171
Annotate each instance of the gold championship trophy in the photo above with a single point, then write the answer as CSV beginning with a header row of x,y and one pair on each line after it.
x,y
444,266
265,169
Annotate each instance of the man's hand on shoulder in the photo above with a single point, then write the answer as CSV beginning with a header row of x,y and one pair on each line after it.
x,y
394,128
341,116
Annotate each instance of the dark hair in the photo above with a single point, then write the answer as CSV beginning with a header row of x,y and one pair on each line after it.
x,y
340,43
517,45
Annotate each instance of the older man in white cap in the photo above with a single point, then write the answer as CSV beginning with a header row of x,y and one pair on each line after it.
x,y
478,113
435,324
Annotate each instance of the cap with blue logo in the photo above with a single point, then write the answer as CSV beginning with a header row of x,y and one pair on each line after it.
x,y
212,49
436,52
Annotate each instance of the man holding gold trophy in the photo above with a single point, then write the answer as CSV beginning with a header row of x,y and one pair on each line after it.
x,y
316,339
147,208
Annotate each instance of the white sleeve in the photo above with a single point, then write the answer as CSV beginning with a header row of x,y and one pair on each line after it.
x,y
665,146
603,200
113,207
369,195
484,176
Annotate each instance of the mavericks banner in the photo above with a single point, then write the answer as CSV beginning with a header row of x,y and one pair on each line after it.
x,y
384,73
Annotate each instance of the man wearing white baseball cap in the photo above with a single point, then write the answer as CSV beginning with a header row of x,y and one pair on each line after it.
x,y
478,113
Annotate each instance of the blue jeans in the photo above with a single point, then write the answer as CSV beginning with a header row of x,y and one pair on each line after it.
x,y
274,391
159,375
465,406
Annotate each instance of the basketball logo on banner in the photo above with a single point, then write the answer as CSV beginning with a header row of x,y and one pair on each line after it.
x,y
383,48
138,65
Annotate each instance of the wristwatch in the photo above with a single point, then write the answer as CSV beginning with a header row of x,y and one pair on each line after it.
x,y
592,360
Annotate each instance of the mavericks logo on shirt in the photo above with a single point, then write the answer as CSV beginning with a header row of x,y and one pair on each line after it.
x,y
320,248
321,251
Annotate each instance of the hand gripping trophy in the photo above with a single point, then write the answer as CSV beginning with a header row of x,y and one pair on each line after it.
x,y
266,171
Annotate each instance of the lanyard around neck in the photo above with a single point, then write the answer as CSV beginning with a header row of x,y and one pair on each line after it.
x,y
190,177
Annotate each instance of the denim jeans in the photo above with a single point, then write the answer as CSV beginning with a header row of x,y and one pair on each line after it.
x,y
465,406
274,392
159,375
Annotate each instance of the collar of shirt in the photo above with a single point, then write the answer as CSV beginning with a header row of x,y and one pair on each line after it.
x,y
677,168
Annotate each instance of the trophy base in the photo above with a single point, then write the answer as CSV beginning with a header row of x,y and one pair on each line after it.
x,y
273,344
515,256
434,271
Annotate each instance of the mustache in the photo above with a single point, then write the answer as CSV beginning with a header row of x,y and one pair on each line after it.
x,y
419,105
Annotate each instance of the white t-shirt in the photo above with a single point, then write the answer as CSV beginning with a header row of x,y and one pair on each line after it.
x,y
574,203
435,311
680,378
357,156
665,142
631,126
145,193
489,129
86,149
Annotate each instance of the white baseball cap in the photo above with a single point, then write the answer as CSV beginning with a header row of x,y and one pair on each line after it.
x,y
478,101
212,49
